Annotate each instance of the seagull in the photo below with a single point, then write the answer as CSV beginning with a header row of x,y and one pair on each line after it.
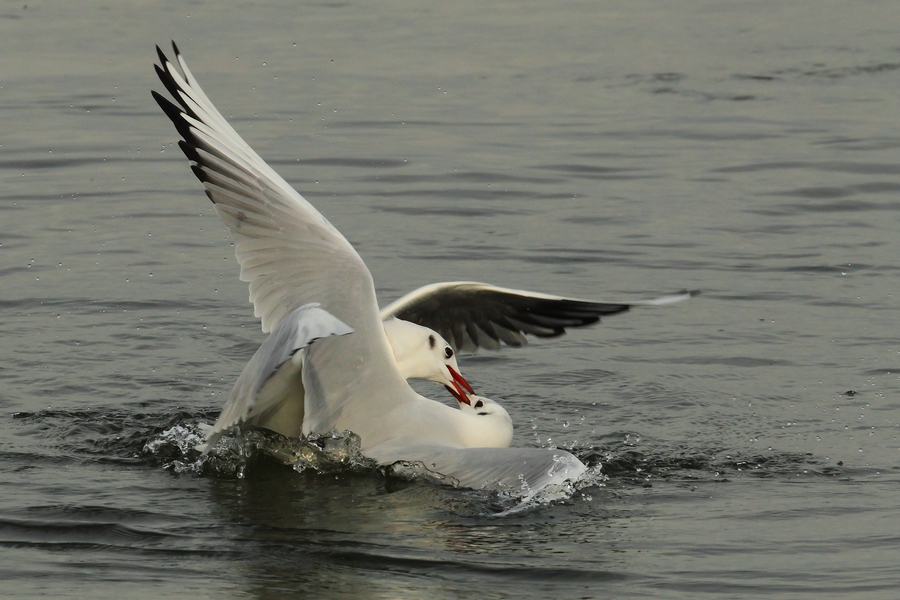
x,y
333,360
525,471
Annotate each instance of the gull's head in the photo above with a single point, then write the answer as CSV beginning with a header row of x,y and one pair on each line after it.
x,y
496,428
422,353
483,407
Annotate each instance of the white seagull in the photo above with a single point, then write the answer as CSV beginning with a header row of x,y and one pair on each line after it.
x,y
307,283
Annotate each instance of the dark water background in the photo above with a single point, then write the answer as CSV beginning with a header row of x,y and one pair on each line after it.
x,y
609,150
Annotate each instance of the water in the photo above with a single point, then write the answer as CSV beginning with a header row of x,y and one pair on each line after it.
x,y
615,150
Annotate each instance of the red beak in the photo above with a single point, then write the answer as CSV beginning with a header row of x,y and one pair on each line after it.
x,y
460,386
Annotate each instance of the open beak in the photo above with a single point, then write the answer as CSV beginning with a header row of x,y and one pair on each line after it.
x,y
460,386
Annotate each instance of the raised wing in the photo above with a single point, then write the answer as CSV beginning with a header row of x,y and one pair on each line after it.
x,y
289,253
248,400
473,315
291,256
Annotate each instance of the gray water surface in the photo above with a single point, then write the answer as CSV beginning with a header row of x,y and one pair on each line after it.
x,y
611,150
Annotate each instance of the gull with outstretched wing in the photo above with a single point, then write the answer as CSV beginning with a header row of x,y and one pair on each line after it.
x,y
343,364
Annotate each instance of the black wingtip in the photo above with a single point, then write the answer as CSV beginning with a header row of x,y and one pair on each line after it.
x,y
189,151
200,174
173,112
160,99
165,76
163,59
175,49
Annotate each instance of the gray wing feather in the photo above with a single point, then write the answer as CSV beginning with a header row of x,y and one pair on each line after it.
x,y
294,332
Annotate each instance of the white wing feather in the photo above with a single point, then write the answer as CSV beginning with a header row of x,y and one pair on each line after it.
x,y
519,470
289,253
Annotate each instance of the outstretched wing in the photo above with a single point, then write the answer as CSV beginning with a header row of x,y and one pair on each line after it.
x,y
280,351
289,253
474,315
522,471
291,256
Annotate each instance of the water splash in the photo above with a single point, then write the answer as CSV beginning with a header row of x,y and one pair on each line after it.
x,y
330,452
176,446
551,494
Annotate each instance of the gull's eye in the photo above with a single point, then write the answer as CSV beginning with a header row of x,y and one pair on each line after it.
x,y
448,352
431,341
479,404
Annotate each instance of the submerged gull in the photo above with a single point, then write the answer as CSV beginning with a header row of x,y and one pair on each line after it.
x,y
333,361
